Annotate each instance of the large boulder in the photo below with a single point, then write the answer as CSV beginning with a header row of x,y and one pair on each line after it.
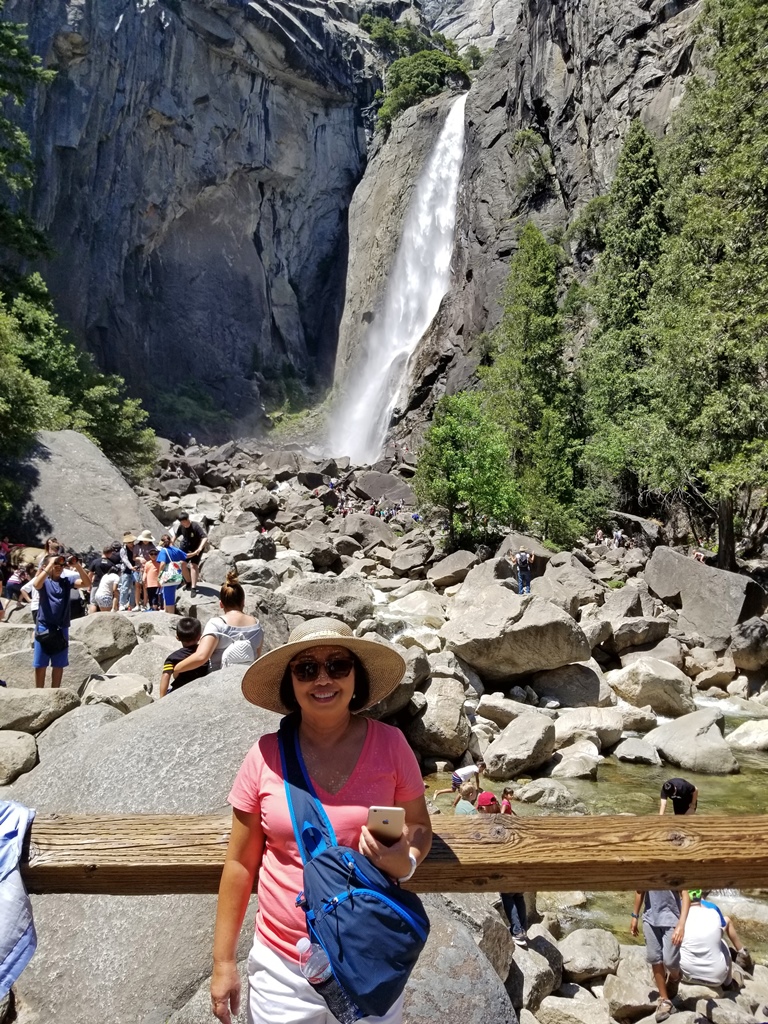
x,y
14,638
551,794
712,602
368,530
177,756
146,660
749,736
526,743
607,724
631,993
635,751
106,636
561,1010
443,729
416,672
454,981
589,953
653,683
500,709
16,668
317,547
125,693
420,608
574,686
410,560
351,595
483,914
33,710
749,645
633,632
502,635
375,486
577,579
695,743
453,569
74,726
84,517
18,753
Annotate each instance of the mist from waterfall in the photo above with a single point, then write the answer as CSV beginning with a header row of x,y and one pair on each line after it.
x,y
419,278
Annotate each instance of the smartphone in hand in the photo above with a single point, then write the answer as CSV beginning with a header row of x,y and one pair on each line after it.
x,y
386,823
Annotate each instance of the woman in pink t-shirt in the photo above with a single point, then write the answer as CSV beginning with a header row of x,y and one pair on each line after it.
x,y
323,675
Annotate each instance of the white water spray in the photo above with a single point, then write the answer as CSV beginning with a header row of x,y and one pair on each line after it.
x,y
419,279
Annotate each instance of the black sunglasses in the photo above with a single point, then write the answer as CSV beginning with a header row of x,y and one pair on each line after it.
x,y
336,668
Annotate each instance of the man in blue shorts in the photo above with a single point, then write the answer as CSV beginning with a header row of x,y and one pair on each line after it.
x,y
55,583
660,918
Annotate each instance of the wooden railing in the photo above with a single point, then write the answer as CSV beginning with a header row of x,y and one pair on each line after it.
x,y
149,854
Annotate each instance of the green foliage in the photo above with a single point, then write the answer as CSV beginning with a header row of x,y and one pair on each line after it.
x,y
708,316
473,55
586,231
464,469
527,143
676,377
528,392
445,44
45,382
412,79
632,234
403,40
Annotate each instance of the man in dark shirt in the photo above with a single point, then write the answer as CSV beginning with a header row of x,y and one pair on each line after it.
x,y
192,538
683,794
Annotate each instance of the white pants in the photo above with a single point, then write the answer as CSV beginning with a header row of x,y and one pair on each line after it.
x,y
278,993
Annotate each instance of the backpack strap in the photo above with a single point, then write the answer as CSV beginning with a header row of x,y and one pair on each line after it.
x,y
311,826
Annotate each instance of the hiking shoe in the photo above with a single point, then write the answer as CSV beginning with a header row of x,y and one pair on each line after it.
x,y
521,939
744,960
664,1010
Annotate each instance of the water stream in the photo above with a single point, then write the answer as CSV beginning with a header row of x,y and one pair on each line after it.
x,y
622,788
419,278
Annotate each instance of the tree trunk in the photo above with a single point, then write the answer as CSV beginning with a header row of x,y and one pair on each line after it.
x,y
726,541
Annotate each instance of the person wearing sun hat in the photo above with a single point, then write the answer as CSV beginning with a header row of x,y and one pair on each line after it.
x,y
324,676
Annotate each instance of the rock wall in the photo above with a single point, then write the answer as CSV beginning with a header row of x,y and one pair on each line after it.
x,y
195,165
576,73
479,22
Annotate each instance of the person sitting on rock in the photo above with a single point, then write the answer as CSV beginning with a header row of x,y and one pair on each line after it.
x,y
467,798
469,773
683,794
660,919
188,634
232,638
704,955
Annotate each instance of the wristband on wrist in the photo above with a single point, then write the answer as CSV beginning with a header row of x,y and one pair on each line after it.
x,y
414,865
636,916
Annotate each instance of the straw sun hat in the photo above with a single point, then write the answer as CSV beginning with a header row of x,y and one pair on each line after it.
x,y
384,664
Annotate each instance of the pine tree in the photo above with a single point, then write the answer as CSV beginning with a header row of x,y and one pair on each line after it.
x,y
617,352
464,469
708,315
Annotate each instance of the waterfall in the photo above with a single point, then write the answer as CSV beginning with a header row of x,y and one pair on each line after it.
x,y
418,280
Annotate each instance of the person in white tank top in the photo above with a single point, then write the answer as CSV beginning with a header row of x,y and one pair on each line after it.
x,y
232,638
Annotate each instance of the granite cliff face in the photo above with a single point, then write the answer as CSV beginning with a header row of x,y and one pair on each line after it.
x,y
196,160
576,73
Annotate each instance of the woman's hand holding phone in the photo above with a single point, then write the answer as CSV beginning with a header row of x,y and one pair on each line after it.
x,y
392,856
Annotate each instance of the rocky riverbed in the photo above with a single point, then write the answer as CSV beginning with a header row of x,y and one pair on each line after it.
x,y
621,668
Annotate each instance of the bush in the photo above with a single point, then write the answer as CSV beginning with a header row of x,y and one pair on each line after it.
x,y
412,79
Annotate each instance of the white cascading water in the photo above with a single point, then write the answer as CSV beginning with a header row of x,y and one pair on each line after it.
x,y
419,279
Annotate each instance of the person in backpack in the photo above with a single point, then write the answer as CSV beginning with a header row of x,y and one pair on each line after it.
x,y
523,562
167,554
232,638
323,676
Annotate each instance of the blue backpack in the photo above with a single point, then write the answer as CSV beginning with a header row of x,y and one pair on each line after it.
x,y
371,930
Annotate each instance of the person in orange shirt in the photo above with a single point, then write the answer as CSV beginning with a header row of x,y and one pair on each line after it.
x,y
150,581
